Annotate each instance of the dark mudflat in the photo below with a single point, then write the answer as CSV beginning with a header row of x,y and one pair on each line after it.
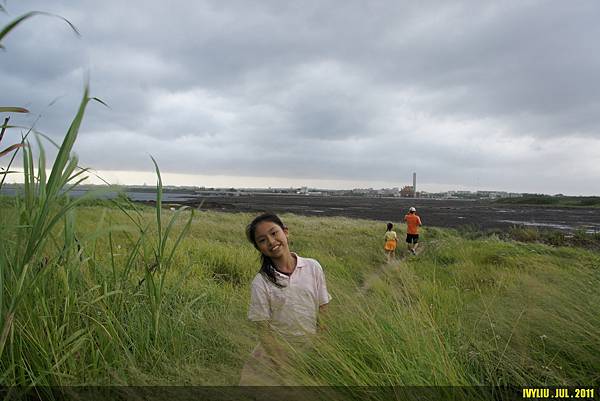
x,y
482,215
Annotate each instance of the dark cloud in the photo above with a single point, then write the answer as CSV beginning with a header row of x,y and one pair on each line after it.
x,y
469,94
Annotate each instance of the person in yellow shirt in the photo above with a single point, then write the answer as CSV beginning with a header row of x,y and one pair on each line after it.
x,y
391,241
413,222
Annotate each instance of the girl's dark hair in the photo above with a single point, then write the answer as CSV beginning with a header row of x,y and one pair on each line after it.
x,y
390,226
266,269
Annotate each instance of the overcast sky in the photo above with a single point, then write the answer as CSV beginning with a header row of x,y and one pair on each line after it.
x,y
333,94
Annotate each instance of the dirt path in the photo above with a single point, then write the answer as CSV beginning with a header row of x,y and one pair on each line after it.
x,y
393,265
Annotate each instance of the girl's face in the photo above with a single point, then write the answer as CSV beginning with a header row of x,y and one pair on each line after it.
x,y
271,240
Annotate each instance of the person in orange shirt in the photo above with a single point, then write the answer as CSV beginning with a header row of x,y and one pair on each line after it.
x,y
413,222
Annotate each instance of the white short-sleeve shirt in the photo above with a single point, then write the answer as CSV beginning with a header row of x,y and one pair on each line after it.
x,y
292,308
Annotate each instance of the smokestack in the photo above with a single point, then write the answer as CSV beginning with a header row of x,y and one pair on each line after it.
x,y
414,185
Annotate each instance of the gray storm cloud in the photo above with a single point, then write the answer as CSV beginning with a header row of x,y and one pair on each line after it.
x,y
497,95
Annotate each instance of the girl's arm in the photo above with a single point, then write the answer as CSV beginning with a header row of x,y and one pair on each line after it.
x,y
323,297
322,311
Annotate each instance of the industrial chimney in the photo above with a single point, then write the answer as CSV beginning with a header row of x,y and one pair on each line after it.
x,y
414,185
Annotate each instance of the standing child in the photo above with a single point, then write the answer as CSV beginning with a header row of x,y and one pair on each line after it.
x,y
413,222
287,295
391,241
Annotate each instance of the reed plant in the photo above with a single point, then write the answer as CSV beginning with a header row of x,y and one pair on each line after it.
x,y
57,315
60,303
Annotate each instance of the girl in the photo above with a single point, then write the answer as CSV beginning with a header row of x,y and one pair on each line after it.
x,y
391,241
287,295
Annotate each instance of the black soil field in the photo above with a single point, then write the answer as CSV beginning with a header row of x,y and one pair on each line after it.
x,y
480,215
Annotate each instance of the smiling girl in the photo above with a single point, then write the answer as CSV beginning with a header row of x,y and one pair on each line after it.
x,y
287,295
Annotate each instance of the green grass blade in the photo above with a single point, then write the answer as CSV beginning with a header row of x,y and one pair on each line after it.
x,y
169,228
137,222
158,207
182,234
67,174
4,127
76,184
13,24
55,181
14,155
77,174
3,268
28,180
10,149
46,137
131,259
10,313
13,110
112,258
41,172
63,211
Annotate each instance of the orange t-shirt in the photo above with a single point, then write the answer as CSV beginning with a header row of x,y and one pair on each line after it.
x,y
412,223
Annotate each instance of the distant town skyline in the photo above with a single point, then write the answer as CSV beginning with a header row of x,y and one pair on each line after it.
x,y
472,95
149,178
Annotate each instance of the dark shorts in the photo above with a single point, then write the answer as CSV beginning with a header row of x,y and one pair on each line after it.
x,y
412,238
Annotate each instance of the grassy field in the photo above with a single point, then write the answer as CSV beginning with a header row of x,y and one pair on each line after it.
x,y
464,312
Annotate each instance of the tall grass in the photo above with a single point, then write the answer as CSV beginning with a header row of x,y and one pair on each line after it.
x,y
479,312
41,209
162,257
61,312
473,312
62,305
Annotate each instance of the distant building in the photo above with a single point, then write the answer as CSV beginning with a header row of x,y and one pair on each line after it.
x,y
388,192
362,191
492,194
407,191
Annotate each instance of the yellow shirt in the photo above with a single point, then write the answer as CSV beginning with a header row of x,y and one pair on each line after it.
x,y
390,235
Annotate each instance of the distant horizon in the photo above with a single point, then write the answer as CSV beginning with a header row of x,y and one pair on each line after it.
x,y
137,178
